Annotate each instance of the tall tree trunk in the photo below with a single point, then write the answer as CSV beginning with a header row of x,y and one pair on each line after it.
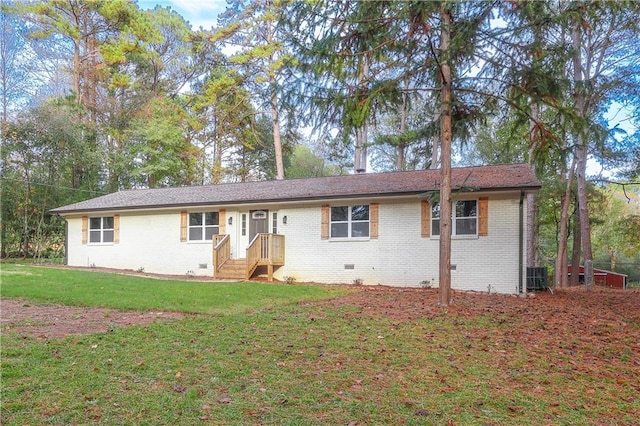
x,y
6,33
216,166
583,209
613,253
575,257
275,118
444,291
92,80
532,210
581,149
5,30
561,257
79,50
76,71
403,128
3,196
275,111
112,183
400,157
25,216
360,159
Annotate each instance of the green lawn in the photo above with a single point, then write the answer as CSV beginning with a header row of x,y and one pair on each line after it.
x,y
289,363
100,289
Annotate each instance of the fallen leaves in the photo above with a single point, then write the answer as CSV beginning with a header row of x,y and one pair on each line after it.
x,y
577,338
225,399
496,358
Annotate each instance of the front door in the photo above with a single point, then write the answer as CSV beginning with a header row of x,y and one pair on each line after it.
x,y
258,223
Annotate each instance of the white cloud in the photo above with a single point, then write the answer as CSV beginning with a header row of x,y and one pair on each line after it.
x,y
199,6
199,13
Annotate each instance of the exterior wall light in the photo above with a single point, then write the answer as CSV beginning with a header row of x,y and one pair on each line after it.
x,y
284,219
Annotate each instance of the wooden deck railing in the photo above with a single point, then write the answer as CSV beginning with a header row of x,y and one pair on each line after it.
x,y
265,249
221,251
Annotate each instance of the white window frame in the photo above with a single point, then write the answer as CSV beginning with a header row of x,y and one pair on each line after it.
x,y
349,222
203,227
274,222
454,220
244,224
102,231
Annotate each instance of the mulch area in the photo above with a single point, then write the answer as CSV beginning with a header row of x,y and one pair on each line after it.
x,y
595,332
575,304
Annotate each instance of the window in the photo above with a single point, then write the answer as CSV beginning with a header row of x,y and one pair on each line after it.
x,y
464,218
203,226
244,224
435,219
350,221
101,229
274,223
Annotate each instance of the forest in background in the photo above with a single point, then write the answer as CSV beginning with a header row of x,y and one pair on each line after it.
x,y
101,96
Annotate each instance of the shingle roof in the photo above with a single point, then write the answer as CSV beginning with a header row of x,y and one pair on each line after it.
x,y
499,177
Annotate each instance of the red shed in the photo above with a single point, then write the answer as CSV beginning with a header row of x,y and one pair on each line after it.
x,y
605,278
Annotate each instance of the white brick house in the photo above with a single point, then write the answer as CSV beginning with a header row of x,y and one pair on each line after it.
x,y
377,228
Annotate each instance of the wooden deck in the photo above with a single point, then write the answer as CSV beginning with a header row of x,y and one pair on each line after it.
x,y
264,250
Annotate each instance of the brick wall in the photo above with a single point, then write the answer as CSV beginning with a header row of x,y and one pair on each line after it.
x,y
399,257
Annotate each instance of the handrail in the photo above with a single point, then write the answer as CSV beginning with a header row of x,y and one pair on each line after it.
x,y
221,251
255,237
219,239
265,249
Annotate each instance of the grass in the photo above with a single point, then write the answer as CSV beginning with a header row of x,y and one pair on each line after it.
x,y
286,363
100,289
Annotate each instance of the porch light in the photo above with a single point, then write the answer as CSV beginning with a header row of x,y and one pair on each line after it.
x,y
284,219
230,221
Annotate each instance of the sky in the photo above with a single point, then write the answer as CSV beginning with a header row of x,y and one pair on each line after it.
x,y
199,13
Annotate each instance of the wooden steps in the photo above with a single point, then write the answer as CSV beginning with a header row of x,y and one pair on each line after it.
x,y
233,269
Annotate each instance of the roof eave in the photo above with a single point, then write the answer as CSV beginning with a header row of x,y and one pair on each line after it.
x,y
63,212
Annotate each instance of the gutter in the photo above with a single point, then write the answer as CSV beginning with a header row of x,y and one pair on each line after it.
x,y
521,243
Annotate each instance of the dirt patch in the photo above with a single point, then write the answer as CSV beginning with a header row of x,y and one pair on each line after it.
x,y
51,321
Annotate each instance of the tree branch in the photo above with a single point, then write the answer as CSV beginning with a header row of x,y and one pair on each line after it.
x,y
622,184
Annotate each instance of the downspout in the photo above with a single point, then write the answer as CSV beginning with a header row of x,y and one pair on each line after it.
x,y
521,243
66,241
